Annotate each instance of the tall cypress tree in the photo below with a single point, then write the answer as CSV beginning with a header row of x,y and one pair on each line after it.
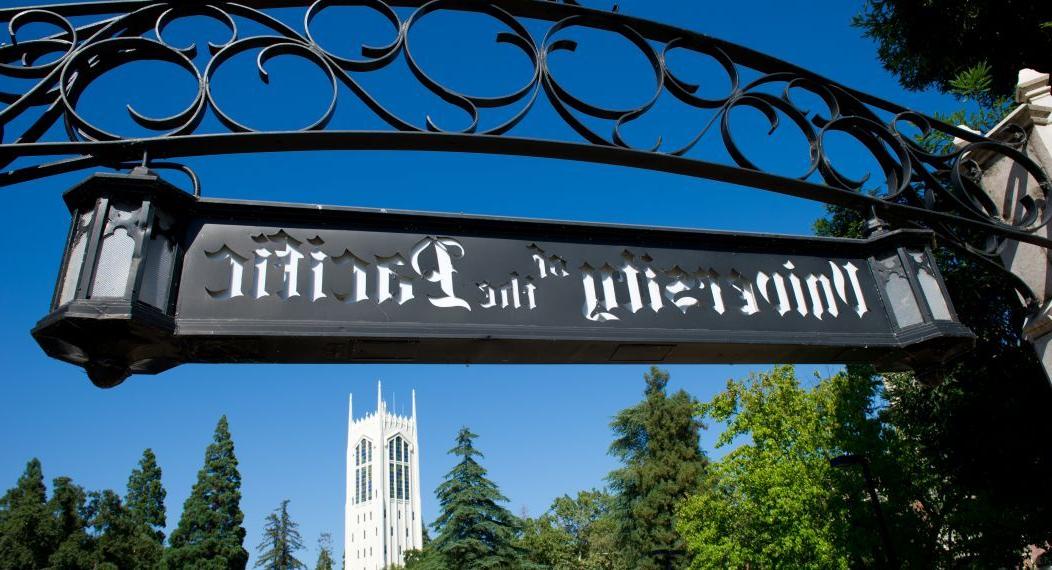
x,y
473,529
281,540
145,506
27,530
657,441
210,534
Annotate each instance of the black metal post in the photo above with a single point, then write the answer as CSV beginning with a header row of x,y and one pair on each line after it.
x,y
878,513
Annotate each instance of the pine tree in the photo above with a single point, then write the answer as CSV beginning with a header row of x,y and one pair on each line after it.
x,y
145,505
209,534
473,529
325,561
657,441
27,533
281,540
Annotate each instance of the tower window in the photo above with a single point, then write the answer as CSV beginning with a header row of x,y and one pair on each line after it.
x,y
398,472
363,473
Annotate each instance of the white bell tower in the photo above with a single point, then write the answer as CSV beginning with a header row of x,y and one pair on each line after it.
x,y
382,514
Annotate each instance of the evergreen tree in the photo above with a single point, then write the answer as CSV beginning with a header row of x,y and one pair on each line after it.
x,y
116,532
209,534
281,540
657,441
473,530
27,533
145,505
426,559
146,494
325,561
75,548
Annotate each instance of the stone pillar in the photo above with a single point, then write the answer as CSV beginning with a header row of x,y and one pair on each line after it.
x,y
1008,183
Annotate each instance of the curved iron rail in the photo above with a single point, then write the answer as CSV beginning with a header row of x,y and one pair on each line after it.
x,y
939,191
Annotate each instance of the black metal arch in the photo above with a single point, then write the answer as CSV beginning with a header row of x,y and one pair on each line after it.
x,y
942,192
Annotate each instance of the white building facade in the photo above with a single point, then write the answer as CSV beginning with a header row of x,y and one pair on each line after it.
x,y
382,517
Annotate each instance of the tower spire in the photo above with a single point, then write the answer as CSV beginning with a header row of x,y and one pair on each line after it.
x,y
413,398
379,397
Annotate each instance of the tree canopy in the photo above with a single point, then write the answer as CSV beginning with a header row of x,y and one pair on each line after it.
x,y
657,443
576,533
27,537
936,42
971,451
73,529
774,501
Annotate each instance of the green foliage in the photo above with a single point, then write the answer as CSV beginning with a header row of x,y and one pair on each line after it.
x,y
325,561
117,532
657,442
575,533
775,502
969,455
473,529
145,507
426,559
973,82
146,494
545,544
983,118
281,540
935,42
772,503
74,547
209,534
74,529
27,536
840,222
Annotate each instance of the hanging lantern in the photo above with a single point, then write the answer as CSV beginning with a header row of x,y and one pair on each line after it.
x,y
112,311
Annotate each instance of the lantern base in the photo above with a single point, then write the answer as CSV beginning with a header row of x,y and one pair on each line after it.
x,y
110,338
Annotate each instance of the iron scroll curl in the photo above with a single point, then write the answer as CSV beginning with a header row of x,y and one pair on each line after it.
x,y
54,70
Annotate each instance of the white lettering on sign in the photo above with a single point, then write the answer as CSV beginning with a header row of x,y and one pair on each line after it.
x,y
610,292
443,275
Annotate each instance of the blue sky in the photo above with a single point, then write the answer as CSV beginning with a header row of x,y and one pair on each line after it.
x,y
544,429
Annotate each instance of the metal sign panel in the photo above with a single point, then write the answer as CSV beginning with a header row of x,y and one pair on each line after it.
x,y
253,282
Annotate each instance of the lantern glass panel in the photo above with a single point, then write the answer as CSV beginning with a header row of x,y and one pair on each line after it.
x,y
115,255
157,271
900,294
940,309
75,261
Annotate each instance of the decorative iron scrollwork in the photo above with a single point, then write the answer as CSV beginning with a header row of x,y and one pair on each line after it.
x,y
941,191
